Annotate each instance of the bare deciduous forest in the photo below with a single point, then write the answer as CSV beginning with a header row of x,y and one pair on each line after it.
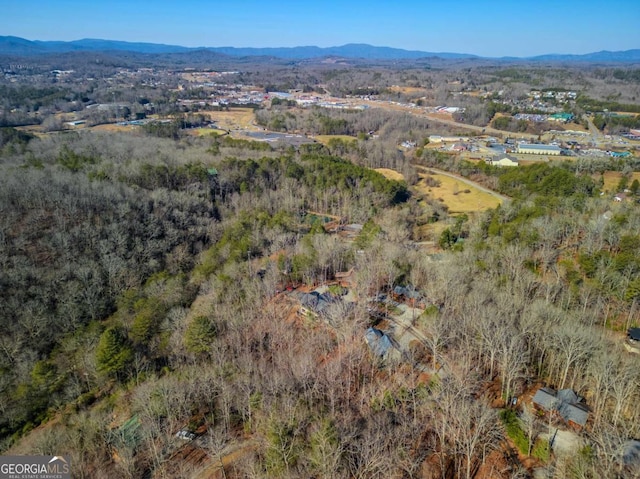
x,y
161,294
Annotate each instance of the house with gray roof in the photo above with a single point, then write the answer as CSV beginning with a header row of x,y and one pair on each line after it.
x,y
631,453
408,292
565,403
545,399
315,303
633,340
379,343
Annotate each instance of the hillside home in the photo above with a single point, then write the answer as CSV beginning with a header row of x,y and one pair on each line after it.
x,y
633,340
346,278
631,453
315,303
408,294
564,403
378,342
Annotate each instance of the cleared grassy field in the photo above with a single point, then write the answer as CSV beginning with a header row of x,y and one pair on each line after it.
x,y
453,193
33,129
324,139
112,127
612,178
408,89
206,132
235,118
390,174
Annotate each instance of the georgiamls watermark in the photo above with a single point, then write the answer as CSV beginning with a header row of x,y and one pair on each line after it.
x,y
35,467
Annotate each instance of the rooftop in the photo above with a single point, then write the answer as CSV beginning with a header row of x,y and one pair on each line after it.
x,y
379,342
315,301
529,146
566,402
545,398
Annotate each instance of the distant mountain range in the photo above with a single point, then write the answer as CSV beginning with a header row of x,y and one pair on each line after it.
x,y
16,46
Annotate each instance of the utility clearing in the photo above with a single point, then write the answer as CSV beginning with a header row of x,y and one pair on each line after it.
x,y
459,195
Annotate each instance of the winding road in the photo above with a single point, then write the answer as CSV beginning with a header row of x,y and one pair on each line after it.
x,y
462,179
432,117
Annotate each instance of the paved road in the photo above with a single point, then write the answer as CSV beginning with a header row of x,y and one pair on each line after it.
x,y
463,180
482,129
597,134
432,117
404,333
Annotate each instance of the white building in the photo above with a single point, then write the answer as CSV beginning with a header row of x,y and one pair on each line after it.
x,y
531,149
502,160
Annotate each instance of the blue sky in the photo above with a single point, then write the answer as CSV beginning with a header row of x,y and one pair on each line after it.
x,y
489,28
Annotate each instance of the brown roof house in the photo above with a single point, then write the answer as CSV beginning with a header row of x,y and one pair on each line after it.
x,y
565,403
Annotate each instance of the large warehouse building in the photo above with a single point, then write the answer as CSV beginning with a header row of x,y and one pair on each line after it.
x,y
538,149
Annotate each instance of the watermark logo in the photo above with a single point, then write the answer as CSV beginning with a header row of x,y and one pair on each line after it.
x,y
35,467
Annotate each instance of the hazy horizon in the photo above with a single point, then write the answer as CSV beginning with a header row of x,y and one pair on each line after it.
x,y
495,29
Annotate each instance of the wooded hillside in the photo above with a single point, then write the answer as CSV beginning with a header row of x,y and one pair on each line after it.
x,y
175,305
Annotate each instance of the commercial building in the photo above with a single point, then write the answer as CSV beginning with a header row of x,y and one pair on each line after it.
x,y
561,117
502,160
531,149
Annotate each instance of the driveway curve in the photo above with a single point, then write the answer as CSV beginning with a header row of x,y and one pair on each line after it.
x,y
463,180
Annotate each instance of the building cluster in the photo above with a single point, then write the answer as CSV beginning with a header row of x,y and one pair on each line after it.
x,y
553,94
539,117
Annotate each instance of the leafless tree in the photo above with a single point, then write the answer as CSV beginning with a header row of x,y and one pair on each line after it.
x,y
529,424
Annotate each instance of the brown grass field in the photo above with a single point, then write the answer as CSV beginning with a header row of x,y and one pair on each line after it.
x,y
206,132
234,119
452,193
33,129
324,139
390,174
408,89
112,127
445,116
611,179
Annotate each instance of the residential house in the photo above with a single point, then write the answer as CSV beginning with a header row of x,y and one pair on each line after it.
x,y
545,399
315,303
565,403
345,278
379,343
631,453
633,340
410,294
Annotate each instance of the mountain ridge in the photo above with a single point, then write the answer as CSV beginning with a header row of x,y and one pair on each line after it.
x,y
11,45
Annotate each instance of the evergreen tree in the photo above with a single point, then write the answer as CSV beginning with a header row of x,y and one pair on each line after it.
x,y
113,354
